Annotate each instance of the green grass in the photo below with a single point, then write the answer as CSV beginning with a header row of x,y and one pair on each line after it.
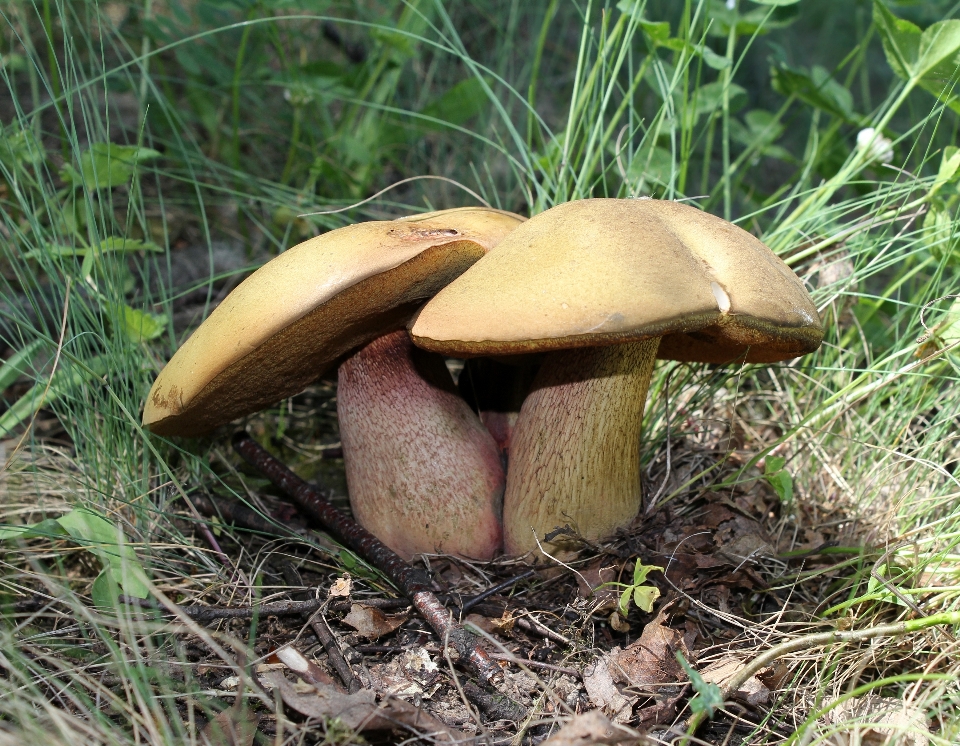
x,y
241,117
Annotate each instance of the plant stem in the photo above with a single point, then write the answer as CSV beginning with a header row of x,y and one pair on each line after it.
x,y
820,640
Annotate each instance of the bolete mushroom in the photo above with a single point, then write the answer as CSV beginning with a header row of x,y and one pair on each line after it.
x,y
314,305
604,286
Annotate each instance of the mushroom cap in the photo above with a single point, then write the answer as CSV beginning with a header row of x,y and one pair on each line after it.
x,y
604,271
297,315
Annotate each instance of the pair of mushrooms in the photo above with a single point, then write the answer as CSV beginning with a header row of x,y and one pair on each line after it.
x,y
594,290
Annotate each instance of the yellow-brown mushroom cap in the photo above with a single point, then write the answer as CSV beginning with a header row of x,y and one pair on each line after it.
x,y
293,318
604,271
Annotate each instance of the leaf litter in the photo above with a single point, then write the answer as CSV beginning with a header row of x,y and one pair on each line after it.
x,y
728,592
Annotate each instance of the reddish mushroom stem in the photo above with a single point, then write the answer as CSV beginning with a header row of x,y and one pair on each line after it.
x,y
423,473
413,583
575,453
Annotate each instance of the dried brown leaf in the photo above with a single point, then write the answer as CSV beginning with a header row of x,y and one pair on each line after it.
x,y
341,587
232,727
372,623
592,728
360,711
649,665
873,720
591,580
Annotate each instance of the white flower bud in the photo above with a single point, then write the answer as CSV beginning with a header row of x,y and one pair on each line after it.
x,y
880,147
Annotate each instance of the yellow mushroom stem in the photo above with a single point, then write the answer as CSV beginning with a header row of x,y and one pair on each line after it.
x,y
423,473
575,452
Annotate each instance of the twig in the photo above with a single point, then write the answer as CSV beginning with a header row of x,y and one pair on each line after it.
x,y
819,640
212,613
318,623
411,582
537,664
529,624
469,604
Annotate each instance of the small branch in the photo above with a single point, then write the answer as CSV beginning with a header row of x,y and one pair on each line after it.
x,y
318,624
411,582
819,640
212,613
470,603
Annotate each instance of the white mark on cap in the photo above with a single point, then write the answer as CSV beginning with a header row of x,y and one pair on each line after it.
x,y
564,306
293,659
723,300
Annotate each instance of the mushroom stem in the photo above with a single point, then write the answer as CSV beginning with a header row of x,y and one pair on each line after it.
x,y
575,452
424,474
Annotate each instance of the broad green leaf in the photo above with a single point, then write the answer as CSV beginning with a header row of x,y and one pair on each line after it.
x,y
709,697
112,244
713,60
938,233
658,33
949,164
640,572
64,381
651,165
105,591
19,146
138,326
774,464
708,98
779,478
759,130
100,537
632,8
928,58
816,88
18,364
760,20
644,596
13,62
951,329
457,105
107,165
403,47
46,528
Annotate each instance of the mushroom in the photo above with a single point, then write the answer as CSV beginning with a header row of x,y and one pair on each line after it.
x,y
311,307
604,287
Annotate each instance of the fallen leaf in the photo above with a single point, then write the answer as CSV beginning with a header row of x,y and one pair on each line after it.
x,y
650,661
372,623
590,728
231,727
746,548
591,582
752,692
232,682
873,720
302,667
503,625
647,666
603,692
480,622
618,623
407,676
341,587
360,711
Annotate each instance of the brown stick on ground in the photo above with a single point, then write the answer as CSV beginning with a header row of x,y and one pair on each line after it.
x,y
411,582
